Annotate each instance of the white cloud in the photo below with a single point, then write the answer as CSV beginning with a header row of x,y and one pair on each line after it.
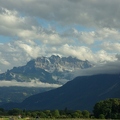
x,y
79,52
108,34
33,83
108,68
90,37
110,46
4,62
83,53
86,37
103,56
33,51
12,23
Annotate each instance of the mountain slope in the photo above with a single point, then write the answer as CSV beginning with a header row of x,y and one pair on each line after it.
x,y
81,93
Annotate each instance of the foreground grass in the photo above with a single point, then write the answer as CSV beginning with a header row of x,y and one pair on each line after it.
x,y
15,118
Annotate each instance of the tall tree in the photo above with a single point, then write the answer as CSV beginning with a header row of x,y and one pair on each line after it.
x,y
56,113
109,108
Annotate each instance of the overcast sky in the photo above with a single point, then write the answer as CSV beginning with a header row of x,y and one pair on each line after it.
x,y
86,29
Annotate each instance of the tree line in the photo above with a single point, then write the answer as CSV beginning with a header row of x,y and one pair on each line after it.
x,y
106,109
46,113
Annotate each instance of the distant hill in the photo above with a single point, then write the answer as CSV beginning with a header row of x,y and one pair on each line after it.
x,y
45,70
81,93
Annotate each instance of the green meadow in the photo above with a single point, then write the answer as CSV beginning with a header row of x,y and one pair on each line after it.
x,y
15,118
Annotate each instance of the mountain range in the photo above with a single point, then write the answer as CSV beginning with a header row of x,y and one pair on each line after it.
x,y
44,70
80,93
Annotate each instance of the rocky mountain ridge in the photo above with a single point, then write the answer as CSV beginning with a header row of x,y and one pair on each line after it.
x,y
46,69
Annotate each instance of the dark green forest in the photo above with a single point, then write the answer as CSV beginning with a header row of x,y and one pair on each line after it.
x,y
106,109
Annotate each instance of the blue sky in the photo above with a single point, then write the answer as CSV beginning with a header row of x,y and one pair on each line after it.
x,y
88,30
4,39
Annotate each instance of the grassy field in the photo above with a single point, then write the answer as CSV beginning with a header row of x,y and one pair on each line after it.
x,y
14,118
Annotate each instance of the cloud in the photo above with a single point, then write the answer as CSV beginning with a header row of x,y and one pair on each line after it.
x,y
110,46
4,62
27,28
12,23
83,53
88,30
83,37
92,36
103,56
32,50
33,83
108,68
88,13
108,34
118,56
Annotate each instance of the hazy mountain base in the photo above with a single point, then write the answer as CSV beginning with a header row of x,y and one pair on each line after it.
x,y
18,94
